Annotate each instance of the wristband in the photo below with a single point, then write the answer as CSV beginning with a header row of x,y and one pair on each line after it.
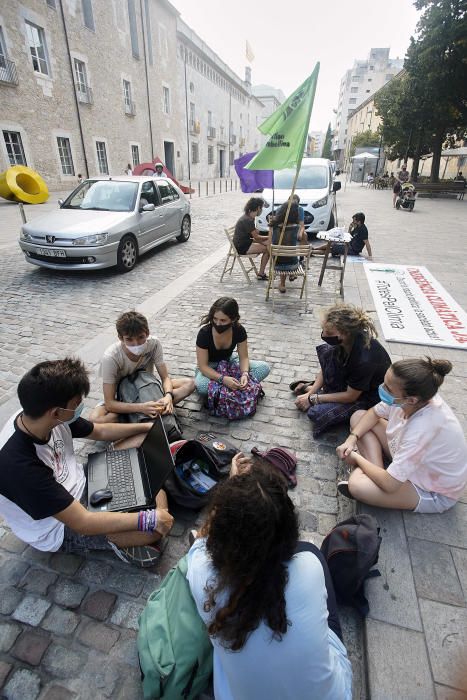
x,y
312,399
354,434
171,394
245,372
220,380
147,520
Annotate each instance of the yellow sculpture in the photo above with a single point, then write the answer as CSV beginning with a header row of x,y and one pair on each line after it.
x,y
22,184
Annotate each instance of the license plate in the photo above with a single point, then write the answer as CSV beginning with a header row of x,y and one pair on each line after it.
x,y
52,252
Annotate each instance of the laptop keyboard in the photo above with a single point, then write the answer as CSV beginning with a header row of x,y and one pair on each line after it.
x,y
120,475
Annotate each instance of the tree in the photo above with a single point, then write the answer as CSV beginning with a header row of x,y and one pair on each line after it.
x,y
436,63
327,143
368,139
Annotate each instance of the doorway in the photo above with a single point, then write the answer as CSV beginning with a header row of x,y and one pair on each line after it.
x,y
169,156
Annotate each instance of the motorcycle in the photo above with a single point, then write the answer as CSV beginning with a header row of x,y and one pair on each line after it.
x,y
406,197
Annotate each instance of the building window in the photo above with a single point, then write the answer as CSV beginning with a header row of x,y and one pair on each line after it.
x,y
372,67
128,102
210,155
370,80
148,32
14,148
135,154
355,78
209,118
353,101
166,99
194,153
88,16
38,48
52,4
102,158
81,77
66,159
133,28
3,54
354,89
163,42
192,114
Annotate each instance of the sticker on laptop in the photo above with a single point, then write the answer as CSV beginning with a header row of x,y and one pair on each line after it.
x,y
221,446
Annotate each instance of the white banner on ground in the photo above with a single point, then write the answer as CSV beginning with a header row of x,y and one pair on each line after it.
x,y
414,308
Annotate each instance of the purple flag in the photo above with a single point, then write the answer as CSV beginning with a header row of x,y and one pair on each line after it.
x,y
252,180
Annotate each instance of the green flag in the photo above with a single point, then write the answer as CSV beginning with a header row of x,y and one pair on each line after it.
x,y
288,127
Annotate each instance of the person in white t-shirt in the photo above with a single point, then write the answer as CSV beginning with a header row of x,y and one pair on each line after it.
x,y
136,349
415,429
43,489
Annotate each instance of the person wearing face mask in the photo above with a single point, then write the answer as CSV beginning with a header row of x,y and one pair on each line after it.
x,y
136,349
219,335
353,364
43,489
418,433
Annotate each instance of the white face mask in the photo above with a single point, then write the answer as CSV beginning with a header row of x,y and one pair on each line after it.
x,y
137,349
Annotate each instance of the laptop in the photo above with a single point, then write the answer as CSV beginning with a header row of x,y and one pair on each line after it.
x,y
133,476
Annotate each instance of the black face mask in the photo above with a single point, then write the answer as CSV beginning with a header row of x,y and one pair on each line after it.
x,y
221,329
331,339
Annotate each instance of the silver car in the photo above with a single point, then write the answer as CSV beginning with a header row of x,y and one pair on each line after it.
x,y
106,222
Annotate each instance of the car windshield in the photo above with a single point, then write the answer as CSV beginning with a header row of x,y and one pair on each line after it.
x,y
99,195
311,177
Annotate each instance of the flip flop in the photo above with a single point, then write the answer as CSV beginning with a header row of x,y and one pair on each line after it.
x,y
294,385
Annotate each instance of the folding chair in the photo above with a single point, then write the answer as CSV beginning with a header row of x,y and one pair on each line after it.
x,y
234,256
287,251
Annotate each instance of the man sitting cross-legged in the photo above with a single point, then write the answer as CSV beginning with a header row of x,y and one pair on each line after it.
x,y
136,349
43,487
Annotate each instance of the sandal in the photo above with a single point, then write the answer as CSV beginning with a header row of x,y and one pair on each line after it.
x,y
294,386
261,277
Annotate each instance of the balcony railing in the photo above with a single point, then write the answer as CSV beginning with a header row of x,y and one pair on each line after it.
x,y
8,72
130,108
233,139
211,132
195,126
84,93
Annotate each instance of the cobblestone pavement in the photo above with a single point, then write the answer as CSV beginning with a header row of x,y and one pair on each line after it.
x,y
68,624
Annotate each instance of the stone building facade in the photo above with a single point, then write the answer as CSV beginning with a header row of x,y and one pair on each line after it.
x,y
88,86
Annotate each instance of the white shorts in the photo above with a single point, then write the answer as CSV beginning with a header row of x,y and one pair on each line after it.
x,y
431,502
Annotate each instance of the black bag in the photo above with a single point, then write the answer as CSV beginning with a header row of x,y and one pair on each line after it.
x,y
142,386
216,455
351,550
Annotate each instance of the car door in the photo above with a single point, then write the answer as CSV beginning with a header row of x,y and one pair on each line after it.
x,y
171,206
151,223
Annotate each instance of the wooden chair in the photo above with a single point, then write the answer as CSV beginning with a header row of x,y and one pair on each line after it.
x,y
233,256
287,251
340,266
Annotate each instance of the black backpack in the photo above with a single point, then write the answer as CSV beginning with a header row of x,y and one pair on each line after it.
x,y
351,550
142,386
215,454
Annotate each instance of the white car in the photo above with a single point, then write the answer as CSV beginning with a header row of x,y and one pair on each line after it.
x,y
316,189
108,221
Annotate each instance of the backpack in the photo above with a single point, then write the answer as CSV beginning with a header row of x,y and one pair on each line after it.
x,y
199,466
351,549
174,649
142,386
234,405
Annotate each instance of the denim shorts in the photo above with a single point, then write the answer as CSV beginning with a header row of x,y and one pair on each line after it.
x,y
431,502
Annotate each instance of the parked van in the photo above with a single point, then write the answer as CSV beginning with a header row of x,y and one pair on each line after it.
x,y
316,189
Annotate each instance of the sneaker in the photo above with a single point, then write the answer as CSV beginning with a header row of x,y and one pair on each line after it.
x,y
143,556
343,488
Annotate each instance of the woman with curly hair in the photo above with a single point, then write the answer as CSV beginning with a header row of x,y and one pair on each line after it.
x,y
417,431
266,598
220,334
353,364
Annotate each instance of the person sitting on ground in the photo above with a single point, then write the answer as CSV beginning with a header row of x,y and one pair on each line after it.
x,y
136,349
401,177
247,239
359,233
414,428
353,364
43,489
266,598
286,265
219,335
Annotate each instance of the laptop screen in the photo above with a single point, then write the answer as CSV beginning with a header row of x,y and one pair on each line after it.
x,y
157,456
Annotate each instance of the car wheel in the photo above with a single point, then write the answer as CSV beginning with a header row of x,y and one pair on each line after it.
x,y
185,230
127,254
331,221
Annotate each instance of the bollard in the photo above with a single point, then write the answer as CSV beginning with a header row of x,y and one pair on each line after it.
x,y
231,184
21,211
207,187
214,187
189,185
220,186
199,188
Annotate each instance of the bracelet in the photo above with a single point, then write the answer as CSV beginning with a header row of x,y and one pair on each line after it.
x,y
354,434
171,394
246,372
317,398
312,399
220,379
147,520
